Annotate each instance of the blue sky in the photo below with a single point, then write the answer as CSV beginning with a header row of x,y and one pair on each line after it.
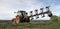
x,y
8,7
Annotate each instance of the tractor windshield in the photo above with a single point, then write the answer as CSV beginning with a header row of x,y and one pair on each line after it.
x,y
21,13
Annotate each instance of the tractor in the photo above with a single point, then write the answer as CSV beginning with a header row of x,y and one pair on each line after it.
x,y
23,17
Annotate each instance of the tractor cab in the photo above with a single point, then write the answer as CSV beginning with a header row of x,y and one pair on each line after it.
x,y
22,15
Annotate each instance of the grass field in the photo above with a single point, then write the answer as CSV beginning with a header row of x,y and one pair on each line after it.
x,y
31,25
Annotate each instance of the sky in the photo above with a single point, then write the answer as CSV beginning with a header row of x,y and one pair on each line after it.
x,y
8,7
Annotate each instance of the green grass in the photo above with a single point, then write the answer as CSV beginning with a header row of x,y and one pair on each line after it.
x,y
32,25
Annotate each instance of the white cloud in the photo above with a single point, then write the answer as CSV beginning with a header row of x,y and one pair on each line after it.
x,y
7,7
56,10
6,13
